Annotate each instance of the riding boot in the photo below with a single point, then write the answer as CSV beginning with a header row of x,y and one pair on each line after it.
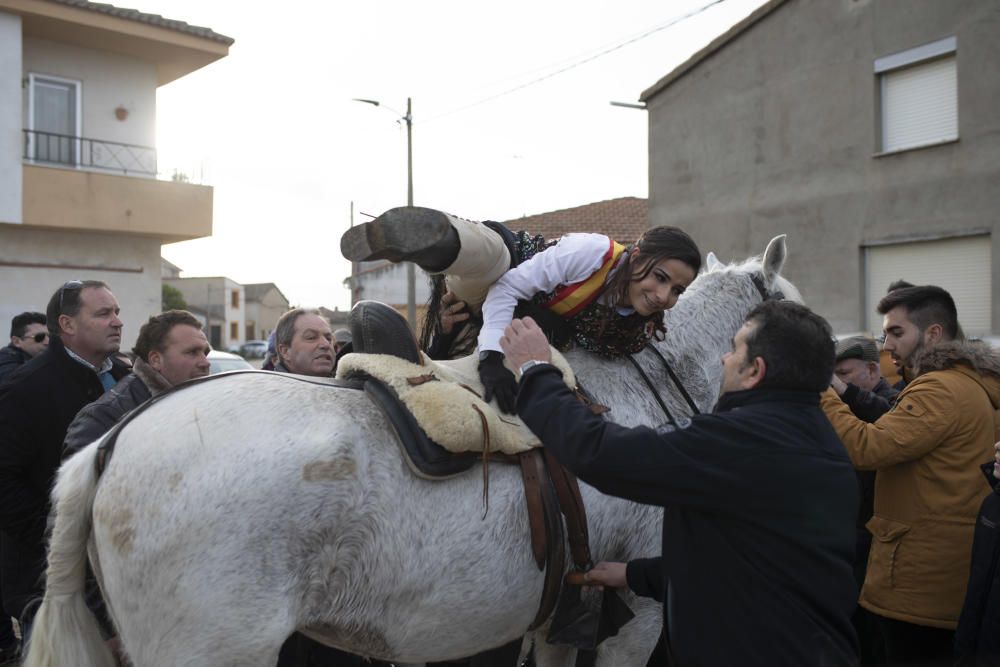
x,y
470,254
406,234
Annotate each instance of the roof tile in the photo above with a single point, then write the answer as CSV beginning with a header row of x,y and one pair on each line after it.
x,y
623,219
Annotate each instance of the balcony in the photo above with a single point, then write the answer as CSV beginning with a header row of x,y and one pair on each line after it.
x,y
95,185
106,156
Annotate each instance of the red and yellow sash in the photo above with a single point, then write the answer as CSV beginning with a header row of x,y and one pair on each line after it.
x,y
571,299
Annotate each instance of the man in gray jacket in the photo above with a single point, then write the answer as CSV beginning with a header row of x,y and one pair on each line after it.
x,y
170,349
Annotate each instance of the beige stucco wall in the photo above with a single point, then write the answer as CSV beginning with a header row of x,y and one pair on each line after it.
x,y
35,262
71,198
264,314
213,295
10,118
107,81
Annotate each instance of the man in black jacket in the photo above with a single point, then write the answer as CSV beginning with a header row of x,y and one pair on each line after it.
x,y
857,379
28,339
759,496
37,404
977,639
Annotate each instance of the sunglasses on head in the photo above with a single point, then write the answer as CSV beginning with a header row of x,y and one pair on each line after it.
x,y
68,285
38,337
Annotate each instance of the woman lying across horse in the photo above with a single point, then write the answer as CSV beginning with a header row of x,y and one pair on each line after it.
x,y
584,289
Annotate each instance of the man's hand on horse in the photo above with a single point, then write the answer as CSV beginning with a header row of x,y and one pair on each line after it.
x,y
453,312
607,574
523,341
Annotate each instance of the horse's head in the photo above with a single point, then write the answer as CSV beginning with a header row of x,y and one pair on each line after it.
x,y
718,301
764,271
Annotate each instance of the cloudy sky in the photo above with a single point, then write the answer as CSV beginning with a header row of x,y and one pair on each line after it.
x,y
510,106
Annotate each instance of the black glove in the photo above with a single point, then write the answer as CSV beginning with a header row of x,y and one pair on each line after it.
x,y
497,380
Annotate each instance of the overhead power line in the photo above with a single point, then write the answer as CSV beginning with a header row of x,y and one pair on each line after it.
x,y
583,61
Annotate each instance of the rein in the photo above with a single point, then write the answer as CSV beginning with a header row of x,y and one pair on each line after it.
x,y
673,377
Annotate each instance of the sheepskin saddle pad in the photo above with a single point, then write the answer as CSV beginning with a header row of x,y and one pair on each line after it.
x,y
445,397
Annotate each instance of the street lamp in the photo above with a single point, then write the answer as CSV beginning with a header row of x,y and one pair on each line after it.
x,y
411,276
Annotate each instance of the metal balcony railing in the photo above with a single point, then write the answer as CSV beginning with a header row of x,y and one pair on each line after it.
x,y
65,149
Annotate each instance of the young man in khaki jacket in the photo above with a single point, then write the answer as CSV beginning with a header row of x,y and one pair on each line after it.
x,y
927,451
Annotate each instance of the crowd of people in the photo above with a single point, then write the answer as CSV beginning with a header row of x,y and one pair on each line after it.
x,y
819,515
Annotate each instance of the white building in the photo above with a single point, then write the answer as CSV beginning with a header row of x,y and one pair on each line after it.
x,y
79,195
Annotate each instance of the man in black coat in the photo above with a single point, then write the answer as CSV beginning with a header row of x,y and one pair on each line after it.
x,y
28,338
759,496
977,639
37,404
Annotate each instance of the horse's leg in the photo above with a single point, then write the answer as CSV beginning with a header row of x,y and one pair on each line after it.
x,y
216,639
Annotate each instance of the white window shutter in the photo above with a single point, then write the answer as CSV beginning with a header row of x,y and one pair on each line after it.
x,y
920,104
959,265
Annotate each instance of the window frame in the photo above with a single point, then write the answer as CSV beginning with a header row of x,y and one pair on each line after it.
x,y
33,78
918,55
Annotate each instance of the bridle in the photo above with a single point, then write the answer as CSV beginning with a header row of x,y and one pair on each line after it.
x,y
758,282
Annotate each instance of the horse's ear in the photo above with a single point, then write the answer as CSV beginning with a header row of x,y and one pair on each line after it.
x,y
774,258
712,262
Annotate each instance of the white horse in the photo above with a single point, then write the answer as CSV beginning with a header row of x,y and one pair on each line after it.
x,y
237,511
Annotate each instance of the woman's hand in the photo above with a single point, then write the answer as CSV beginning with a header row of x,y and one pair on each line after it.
x,y
453,312
498,382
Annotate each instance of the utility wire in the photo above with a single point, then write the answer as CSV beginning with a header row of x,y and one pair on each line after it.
x,y
578,63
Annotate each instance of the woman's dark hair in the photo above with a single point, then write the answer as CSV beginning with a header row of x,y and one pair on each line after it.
x,y
655,245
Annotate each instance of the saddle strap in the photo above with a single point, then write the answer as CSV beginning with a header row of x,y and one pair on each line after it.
x,y
571,504
546,531
531,474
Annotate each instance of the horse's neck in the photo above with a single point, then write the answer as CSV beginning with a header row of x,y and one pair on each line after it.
x,y
703,325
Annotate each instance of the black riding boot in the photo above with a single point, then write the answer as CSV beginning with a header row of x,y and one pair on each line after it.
x,y
407,234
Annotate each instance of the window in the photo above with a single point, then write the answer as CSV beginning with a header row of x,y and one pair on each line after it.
x,y
234,331
53,119
235,298
918,90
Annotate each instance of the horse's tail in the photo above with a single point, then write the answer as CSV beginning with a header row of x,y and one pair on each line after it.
x,y
65,632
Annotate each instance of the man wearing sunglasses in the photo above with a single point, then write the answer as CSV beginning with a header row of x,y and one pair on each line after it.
x,y
37,405
28,339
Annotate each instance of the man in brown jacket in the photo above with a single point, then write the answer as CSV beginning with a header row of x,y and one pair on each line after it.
x,y
927,450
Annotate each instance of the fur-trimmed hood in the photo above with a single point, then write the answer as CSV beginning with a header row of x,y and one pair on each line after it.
x,y
156,383
974,358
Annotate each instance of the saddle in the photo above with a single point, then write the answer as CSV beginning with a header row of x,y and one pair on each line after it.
x,y
550,490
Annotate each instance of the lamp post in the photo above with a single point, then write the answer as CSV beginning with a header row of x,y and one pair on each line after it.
x,y
411,275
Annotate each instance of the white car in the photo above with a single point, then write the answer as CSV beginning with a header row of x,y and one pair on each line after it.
x,y
221,362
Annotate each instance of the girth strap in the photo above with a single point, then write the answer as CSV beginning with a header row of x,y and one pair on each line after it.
x,y
546,531
571,505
